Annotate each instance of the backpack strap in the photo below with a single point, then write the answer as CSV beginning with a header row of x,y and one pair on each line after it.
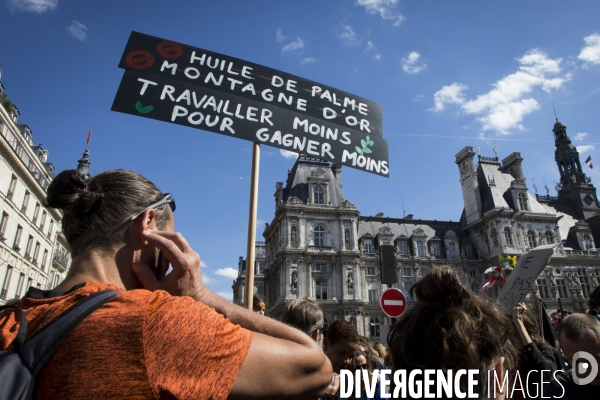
x,y
39,348
20,339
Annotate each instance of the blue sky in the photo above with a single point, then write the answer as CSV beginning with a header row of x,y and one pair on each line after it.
x,y
448,74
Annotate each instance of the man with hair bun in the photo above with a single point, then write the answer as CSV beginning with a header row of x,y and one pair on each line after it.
x,y
164,335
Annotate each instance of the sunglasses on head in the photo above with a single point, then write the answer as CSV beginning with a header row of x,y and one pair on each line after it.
x,y
168,199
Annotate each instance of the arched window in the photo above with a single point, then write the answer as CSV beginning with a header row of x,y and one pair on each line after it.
x,y
531,239
522,198
508,236
451,250
318,195
374,323
549,237
588,242
319,236
494,236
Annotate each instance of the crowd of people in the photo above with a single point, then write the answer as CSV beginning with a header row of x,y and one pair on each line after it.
x,y
165,335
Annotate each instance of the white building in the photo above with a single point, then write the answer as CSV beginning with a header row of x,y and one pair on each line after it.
x,y
31,253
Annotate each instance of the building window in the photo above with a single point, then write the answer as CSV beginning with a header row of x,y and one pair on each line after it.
x,y
494,235
318,195
3,224
452,250
406,272
260,267
422,272
320,267
370,270
508,236
43,220
18,238
543,286
321,289
522,198
531,239
562,288
373,294
435,248
368,246
549,237
11,187
29,245
36,252
260,290
584,282
319,236
587,242
325,325
25,202
420,248
20,286
407,286
374,323
403,246
36,213
44,259
6,282
468,251
50,228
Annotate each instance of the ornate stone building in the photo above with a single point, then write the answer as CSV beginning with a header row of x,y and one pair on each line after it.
x,y
318,246
32,250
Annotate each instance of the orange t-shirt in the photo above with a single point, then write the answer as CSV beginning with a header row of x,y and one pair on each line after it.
x,y
139,345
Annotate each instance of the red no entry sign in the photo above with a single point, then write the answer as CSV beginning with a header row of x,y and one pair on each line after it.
x,y
393,302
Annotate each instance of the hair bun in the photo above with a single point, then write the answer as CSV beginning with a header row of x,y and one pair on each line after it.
x,y
69,191
442,287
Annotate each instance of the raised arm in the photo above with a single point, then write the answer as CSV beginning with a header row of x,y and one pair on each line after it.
x,y
282,361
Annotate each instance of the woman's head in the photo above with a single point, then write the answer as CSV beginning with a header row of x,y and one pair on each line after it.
x,y
97,211
361,361
450,328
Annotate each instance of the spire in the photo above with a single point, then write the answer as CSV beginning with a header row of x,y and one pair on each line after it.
x,y
83,165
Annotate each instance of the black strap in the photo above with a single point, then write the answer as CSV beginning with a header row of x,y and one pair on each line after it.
x,y
40,347
20,339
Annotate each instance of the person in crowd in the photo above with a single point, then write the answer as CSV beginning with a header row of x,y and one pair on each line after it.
x,y
535,353
306,315
164,335
258,305
381,350
452,328
360,362
577,333
340,343
594,312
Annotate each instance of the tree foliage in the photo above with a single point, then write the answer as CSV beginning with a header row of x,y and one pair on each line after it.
x,y
6,103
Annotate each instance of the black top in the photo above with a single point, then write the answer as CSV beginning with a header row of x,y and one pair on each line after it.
x,y
564,384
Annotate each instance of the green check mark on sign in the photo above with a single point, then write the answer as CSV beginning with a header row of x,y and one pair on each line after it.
x,y
144,109
365,146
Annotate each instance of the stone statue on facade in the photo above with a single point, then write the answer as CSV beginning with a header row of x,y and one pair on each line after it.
x,y
294,280
350,281
346,237
594,279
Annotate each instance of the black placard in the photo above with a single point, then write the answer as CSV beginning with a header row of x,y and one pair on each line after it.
x,y
196,66
387,259
167,99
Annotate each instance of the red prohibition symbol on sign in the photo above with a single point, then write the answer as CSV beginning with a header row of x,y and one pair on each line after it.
x,y
393,302
169,49
139,59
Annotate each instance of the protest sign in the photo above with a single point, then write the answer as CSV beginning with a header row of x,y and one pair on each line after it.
x,y
176,83
528,268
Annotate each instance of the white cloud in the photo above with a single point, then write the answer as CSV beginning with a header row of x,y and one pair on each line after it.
x,y
226,295
580,136
297,44
585,149
227,272
451,94
409,63
591,51
378,57
78,30
203,264
370,46
348,36
308,60
385,8
288,154
36,6
208,280
505,106
279,36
